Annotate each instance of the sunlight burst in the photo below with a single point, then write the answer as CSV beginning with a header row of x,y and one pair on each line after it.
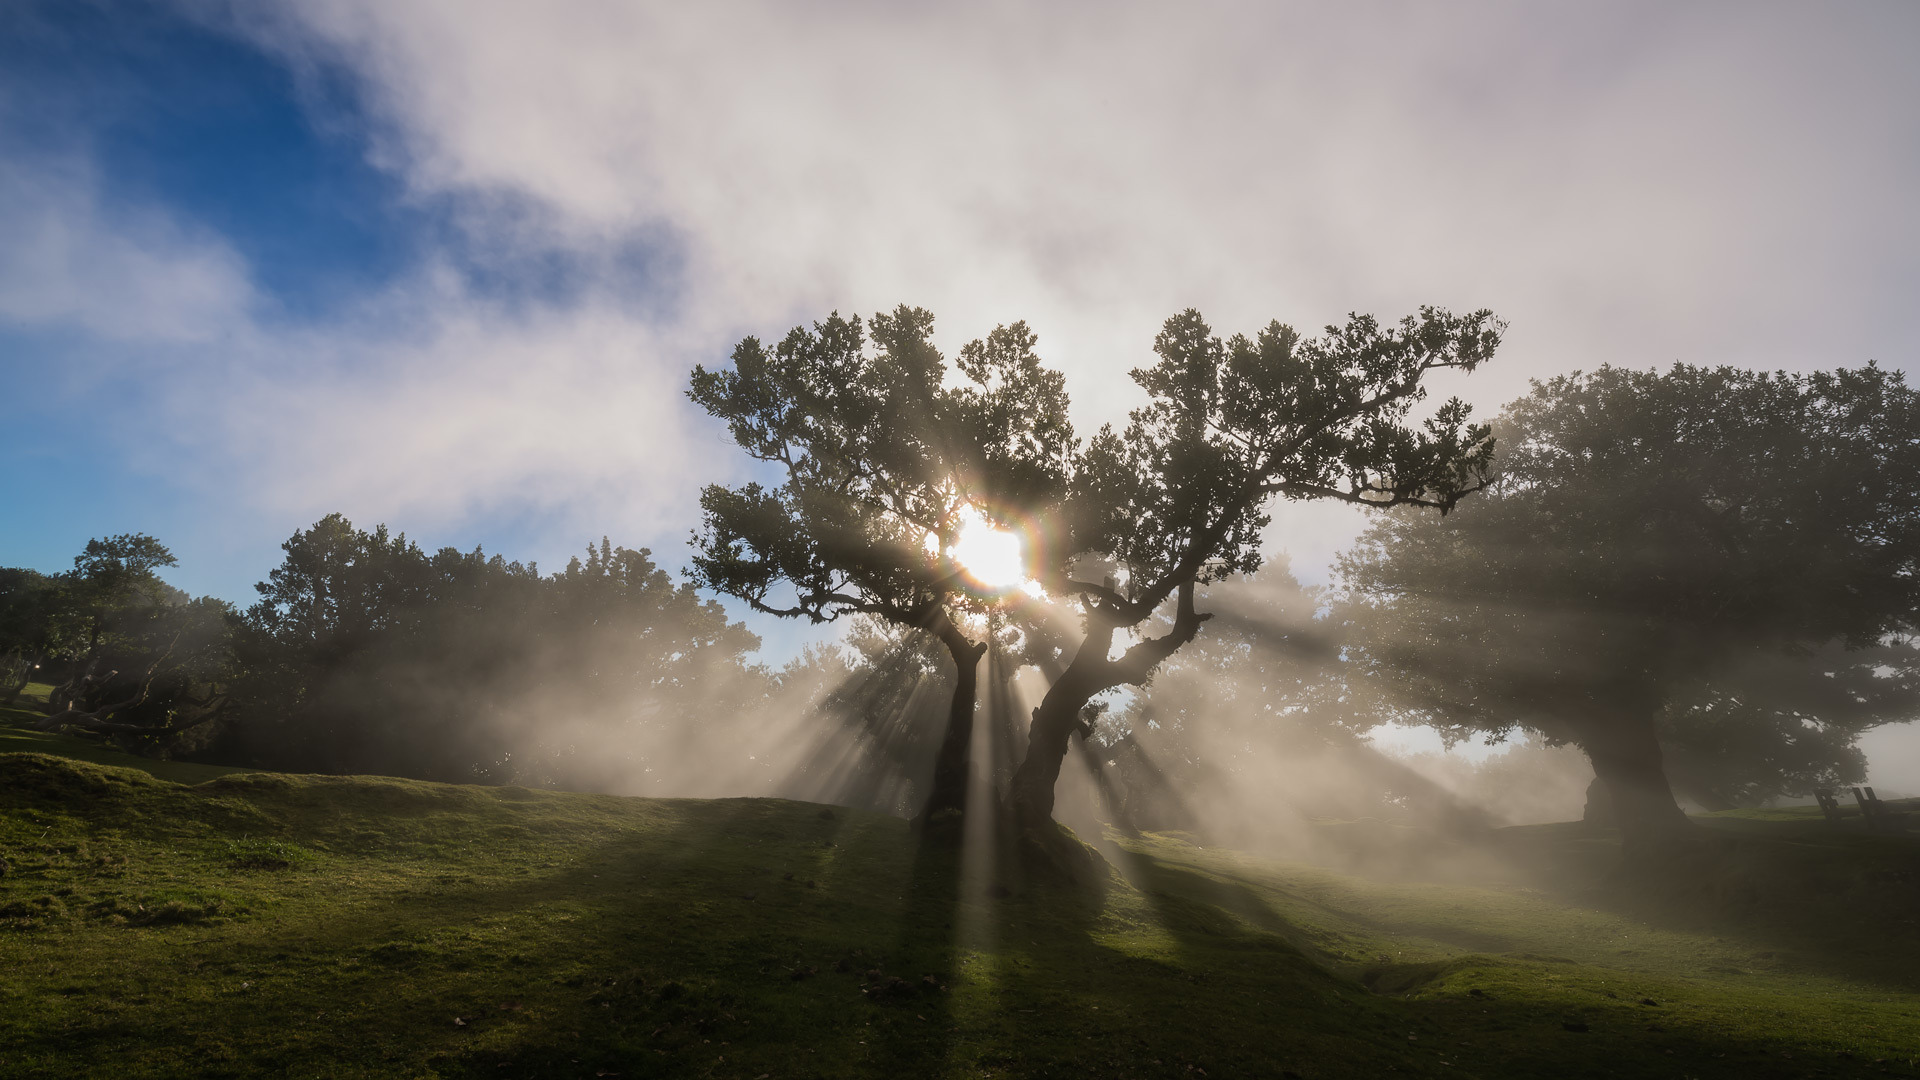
x,y
990,556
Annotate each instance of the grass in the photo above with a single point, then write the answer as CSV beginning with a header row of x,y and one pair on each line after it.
x,y
263,924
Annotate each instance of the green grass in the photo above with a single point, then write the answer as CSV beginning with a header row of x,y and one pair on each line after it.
x,y
263,924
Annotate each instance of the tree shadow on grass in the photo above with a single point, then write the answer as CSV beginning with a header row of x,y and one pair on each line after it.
x,y
654,953
1218,922
1840,906
695,946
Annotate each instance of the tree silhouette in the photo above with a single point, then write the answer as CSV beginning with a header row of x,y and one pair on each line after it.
x,y
1178,497
367,654
879,464
1727,554
138,661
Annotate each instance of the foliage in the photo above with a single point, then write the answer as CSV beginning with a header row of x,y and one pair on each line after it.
x,y
28,600
365,654
1179,495
878,461
131,659
1178,498
1730,554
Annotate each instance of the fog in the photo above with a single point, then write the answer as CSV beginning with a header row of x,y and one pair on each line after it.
x,y
1631,185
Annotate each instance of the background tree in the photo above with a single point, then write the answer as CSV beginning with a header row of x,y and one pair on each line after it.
x,y
881,467
27,606
130,657
1695,550
365,654
1177,499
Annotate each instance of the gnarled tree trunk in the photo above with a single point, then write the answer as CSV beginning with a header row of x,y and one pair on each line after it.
x,y
951,770
1089,673
1054,723
1627,762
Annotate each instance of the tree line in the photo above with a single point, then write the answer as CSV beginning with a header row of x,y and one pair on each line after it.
x,y
1703,578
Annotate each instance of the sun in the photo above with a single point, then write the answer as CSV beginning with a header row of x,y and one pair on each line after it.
x,y
994,558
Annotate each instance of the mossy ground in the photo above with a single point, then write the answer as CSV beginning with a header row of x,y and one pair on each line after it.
x,y
262,924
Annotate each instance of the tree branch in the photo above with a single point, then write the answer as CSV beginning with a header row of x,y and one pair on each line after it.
x,y
1358,496
1136,663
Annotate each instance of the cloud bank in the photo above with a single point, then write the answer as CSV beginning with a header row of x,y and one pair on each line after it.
x,y
1630,183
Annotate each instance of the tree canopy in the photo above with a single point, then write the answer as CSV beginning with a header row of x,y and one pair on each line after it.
x,y
1179,496
129,657
880,465
1724,555
366,654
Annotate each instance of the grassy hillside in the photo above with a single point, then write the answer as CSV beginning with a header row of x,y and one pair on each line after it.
x,y
261,924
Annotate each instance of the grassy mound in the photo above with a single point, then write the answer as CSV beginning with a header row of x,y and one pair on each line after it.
x,y
263,924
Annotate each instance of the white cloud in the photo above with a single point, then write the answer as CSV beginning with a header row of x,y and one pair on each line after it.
x,y
129,275
1633,184
433,408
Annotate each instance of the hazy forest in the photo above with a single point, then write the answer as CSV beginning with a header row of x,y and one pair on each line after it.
x,y
1700,581
1683,594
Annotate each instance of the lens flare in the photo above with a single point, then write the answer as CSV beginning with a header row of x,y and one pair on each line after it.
x,y
992,557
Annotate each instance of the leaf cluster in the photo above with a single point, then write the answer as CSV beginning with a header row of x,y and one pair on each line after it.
x,y
876,458
1180,493
366,654
1698,540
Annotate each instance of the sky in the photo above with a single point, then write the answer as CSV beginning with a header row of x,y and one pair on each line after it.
x,y
446,264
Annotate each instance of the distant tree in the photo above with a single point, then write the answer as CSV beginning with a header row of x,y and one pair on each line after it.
x,y
137,660
28,602
879,466
366,654
1178,498
1727,559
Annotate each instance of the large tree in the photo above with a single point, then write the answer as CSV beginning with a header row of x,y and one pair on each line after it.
x,y
1728,555
877,466
1179,497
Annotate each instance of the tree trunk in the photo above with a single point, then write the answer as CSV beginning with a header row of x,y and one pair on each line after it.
x,y
948,790
1626,759
1599,808
1089,673
1047,742
1054,722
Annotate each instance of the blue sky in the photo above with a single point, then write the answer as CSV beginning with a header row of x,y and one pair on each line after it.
x,y
446,265
175,115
